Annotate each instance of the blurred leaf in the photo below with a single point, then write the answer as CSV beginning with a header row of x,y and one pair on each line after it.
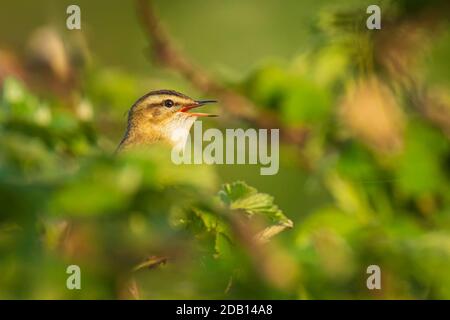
x,y
419,168
306,103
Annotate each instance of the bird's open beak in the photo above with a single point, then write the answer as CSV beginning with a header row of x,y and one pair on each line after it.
x,y
197,104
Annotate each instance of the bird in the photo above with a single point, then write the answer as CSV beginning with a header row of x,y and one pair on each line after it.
x,y
161,116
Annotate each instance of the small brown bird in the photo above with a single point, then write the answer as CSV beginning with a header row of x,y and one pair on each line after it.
x,y
161,115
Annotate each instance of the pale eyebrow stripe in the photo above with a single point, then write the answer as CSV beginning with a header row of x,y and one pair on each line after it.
x,y
169,93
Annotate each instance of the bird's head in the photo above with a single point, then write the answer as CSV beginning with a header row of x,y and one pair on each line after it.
x,y
163,115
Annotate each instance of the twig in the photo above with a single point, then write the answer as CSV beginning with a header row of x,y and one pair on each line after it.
x,y
265,235
262,255
236,105
134,289
150,263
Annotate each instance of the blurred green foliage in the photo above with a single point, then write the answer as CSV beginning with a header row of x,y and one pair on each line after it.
x,y
369,186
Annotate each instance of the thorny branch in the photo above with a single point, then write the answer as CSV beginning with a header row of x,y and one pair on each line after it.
x,y
166,54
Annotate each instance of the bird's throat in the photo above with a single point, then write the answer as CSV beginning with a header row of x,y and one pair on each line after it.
x,y
177,132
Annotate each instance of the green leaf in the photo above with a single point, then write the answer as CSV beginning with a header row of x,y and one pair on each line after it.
x,y
212,222
240,196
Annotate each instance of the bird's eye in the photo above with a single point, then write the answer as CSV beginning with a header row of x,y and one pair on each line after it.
x,y
168,103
